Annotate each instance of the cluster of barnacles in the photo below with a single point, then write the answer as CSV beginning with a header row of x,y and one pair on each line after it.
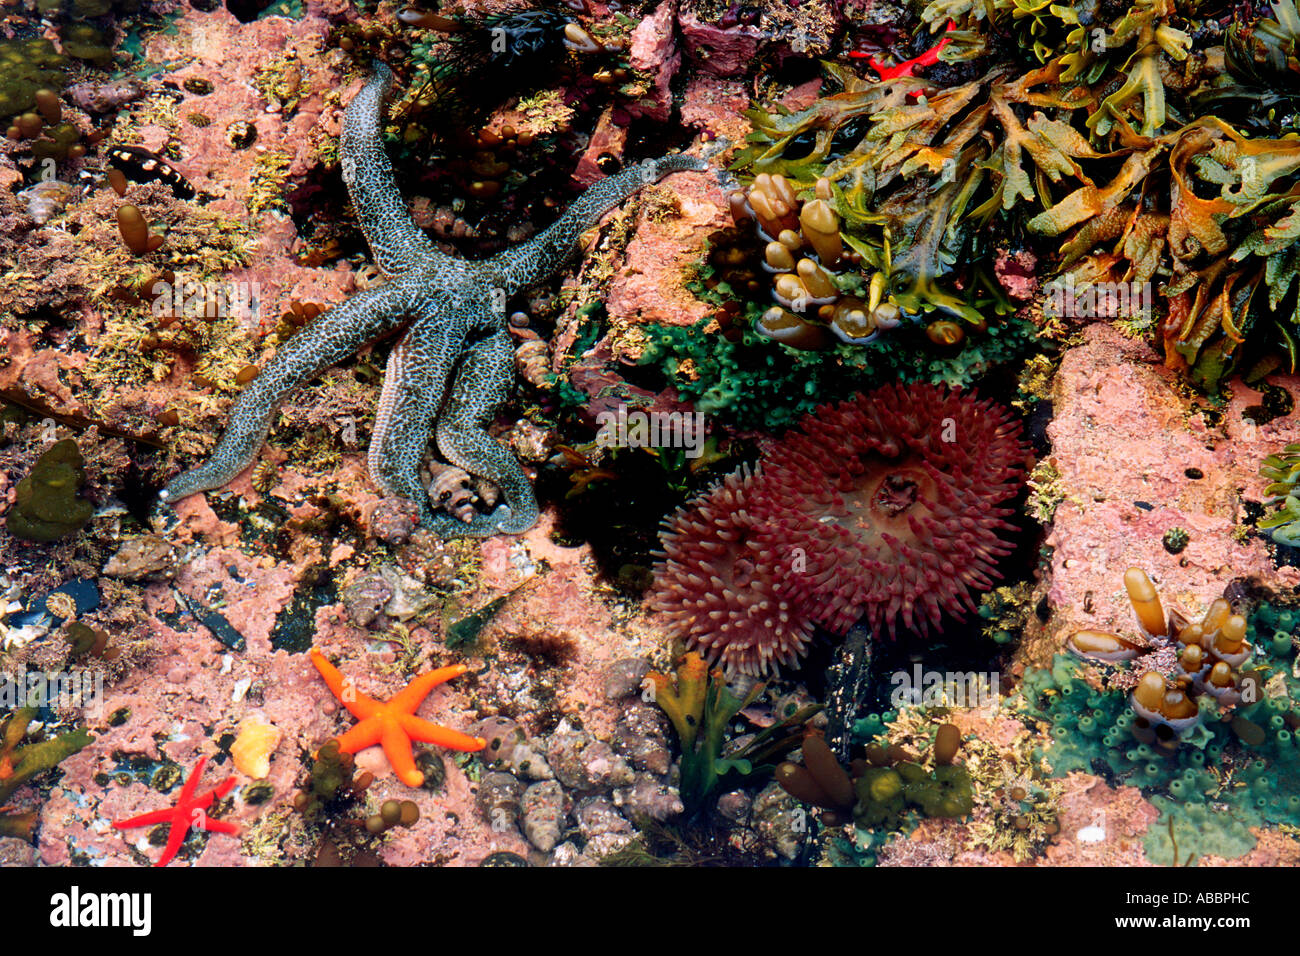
x,y
1183,660
803,249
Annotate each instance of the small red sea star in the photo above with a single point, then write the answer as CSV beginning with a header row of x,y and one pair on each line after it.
x,y
928,58
189,811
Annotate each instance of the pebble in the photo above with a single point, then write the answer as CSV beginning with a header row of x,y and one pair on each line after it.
x,y
145,557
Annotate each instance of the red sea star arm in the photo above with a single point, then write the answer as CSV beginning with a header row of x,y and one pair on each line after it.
x,y
145,819
167,813
397,747
430,733
189,811
363,735
218,826
192,784
928,58
181,823
407,700
358,703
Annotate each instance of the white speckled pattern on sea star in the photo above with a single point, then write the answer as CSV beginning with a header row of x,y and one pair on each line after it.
x,y
457,334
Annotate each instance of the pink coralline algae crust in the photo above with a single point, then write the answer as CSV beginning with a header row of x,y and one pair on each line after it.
x,y
722,51
191,684
716,106
1122,434
230,56
654,52
886,506
37,371
607,139
651,286
595,375
564,602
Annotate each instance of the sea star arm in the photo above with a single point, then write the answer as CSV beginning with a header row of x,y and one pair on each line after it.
x,y
418,371
531,262
397,243
342,687
410,698
192,784
145,819
218,826
430,733
482,384
186,799
397,748
180,828
363,735
327,339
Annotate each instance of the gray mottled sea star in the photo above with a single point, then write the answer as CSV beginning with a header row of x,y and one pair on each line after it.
x,y
457,335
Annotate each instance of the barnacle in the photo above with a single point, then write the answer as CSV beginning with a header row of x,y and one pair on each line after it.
x,y
876,790
1211,658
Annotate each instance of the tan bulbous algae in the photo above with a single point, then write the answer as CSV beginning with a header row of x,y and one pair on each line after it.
x,y
458,334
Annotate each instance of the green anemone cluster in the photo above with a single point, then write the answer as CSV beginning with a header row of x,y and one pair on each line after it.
x,y
83,9
753,382
25,67
1284,492
47,506
896,781
1228,776
85,41
28,65
885,793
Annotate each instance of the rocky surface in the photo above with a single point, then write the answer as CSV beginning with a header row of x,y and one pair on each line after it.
x,y
1137,457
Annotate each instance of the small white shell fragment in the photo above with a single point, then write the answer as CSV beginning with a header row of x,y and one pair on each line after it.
x,y
1092,834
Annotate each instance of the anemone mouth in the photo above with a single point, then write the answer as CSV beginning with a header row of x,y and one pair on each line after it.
x,y
895,494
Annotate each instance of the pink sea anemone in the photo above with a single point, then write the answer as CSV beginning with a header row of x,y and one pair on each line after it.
x,y
717,584
885,506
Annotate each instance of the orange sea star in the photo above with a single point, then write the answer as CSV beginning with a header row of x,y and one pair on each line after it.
x,y
393,724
